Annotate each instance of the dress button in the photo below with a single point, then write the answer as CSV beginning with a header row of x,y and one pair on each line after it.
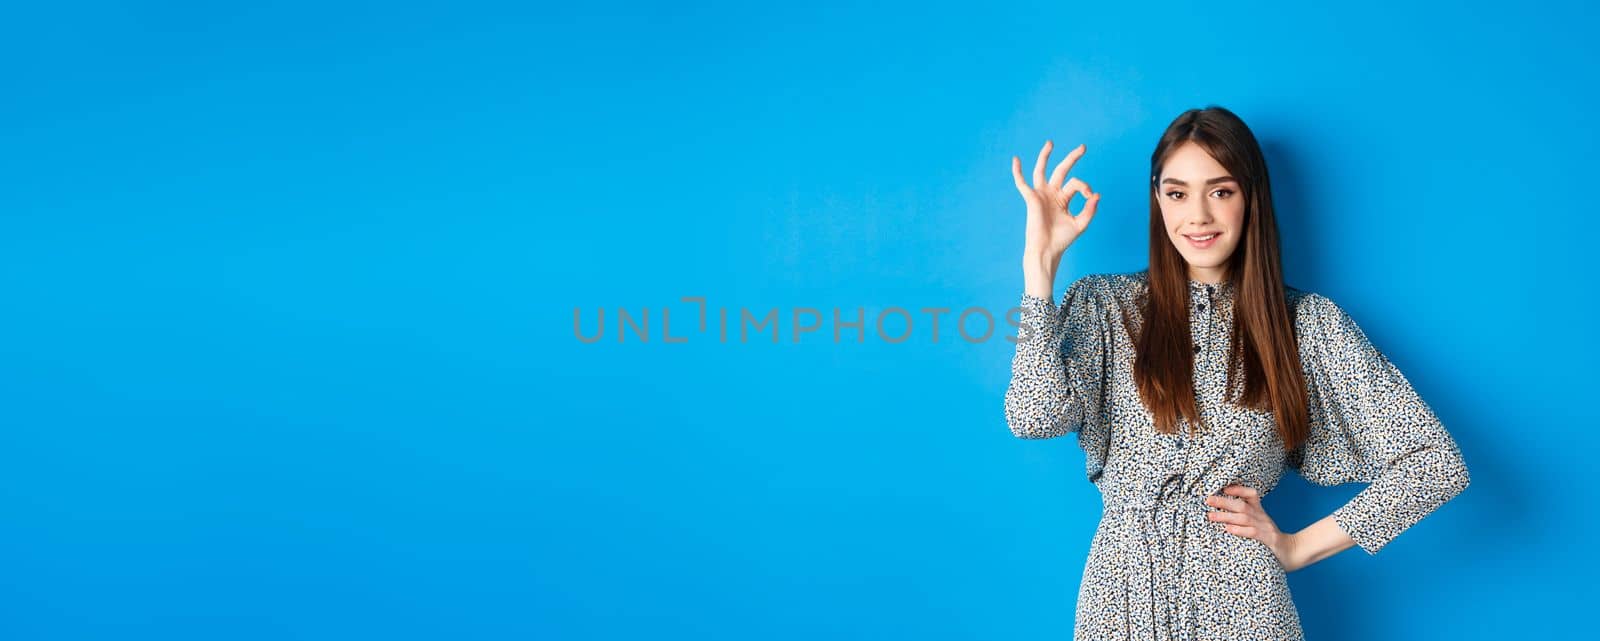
x,y
1200,306
1197,349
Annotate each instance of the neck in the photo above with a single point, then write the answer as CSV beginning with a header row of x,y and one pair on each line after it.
x,y
1212,275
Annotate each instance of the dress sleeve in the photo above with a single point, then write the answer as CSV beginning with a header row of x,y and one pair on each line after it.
x,y
1058,371
1368,425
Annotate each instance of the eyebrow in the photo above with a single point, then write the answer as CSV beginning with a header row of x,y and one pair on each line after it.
x,y
1209,181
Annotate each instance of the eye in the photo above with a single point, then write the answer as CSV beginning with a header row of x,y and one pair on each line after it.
x,y
1226,192
1175,195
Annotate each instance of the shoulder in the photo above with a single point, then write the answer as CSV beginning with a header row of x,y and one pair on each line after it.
x,y
1302,303
1113,289
1317,316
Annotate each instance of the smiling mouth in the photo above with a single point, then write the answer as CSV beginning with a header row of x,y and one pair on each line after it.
x,y
1203,241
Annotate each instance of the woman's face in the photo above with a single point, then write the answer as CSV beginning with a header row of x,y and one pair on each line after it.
x,y
1202,209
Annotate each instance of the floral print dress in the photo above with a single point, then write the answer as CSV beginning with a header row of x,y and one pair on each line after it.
x,y
1158,569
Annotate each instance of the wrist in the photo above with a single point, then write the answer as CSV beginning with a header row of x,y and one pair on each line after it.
x,y
1289,551
1041,263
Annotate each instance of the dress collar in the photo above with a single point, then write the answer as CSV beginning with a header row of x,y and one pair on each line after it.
x,y
1224,288
1197,288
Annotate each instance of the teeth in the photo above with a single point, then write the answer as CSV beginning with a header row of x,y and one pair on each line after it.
x,y
1203,238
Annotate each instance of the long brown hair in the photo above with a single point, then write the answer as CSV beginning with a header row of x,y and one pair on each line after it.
x,y
1264,349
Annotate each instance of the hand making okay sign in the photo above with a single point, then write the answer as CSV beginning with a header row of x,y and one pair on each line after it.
x,y
1051,226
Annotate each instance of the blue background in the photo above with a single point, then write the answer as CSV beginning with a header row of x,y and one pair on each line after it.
x,y
289,292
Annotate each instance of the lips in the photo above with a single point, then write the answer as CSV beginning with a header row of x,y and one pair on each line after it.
x,y
1202,241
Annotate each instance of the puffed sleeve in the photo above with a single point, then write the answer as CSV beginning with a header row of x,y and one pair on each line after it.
x,y
1059,368
1368,425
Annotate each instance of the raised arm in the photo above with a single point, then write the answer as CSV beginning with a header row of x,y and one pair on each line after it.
x,y
1057,372
1044,398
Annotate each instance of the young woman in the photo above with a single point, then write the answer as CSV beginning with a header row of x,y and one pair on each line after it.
x,y
1193,384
